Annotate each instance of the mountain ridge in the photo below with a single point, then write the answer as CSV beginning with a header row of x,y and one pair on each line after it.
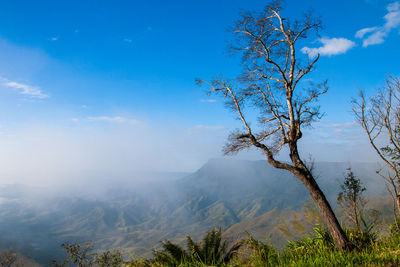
x,y
222,193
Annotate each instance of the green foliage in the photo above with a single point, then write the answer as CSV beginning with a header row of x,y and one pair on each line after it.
x,y
318,249
351,189
211,251
77,255
362,239
108,259
261,252
80,255
394,228
351,200
320,239
140,262
171,254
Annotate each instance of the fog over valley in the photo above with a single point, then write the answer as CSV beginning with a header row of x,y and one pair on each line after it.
x,y
67,155
135,214
199,133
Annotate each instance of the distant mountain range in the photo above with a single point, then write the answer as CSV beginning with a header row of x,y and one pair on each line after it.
x,y
235,195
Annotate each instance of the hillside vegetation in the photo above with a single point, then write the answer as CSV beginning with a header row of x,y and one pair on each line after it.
x,y
316,249
375,241
239,196
236,195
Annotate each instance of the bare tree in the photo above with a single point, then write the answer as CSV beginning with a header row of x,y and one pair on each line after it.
x,y
7,258
380,119
272,73
77,254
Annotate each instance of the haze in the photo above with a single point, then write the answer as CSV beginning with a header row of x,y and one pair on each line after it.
x,y
110,87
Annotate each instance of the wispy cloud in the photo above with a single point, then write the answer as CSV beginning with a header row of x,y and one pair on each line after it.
x,y
360,34
208,127
201,127
127,40
208,100
341,126
24,89
54,38
330,47
377,34
338,132
115,119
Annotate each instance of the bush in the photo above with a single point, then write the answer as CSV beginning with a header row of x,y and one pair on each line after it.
x,y
211,251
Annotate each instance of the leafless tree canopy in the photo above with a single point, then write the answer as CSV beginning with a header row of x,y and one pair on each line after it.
x,y
269,85
272,72
380,119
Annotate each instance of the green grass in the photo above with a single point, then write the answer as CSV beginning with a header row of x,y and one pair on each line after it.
x,y
317,249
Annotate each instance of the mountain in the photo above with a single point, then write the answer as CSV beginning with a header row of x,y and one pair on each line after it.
x,y
115,213
246,189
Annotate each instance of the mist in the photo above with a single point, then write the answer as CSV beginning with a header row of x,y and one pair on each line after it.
x,y
50,155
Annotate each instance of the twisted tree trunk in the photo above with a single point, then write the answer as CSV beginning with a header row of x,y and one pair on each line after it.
x,y
327,213
303,173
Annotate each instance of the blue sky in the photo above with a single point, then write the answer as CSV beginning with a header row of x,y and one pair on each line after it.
x,y
110,84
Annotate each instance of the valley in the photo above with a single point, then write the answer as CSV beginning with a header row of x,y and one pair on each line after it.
x,y
236,195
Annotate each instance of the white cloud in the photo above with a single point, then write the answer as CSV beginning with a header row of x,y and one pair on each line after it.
x,y
340,127
208,127
378,34
362,32
116,119
55,38
393,17
395,6
208,100
377,37
331,46
127,40
24,89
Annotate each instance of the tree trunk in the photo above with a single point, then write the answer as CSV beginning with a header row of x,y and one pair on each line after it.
x,y
398,203
396,214
305,176
356,214
326,211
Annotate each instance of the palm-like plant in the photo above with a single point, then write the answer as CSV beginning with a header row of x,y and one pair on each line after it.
x,y
212,251
171,254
